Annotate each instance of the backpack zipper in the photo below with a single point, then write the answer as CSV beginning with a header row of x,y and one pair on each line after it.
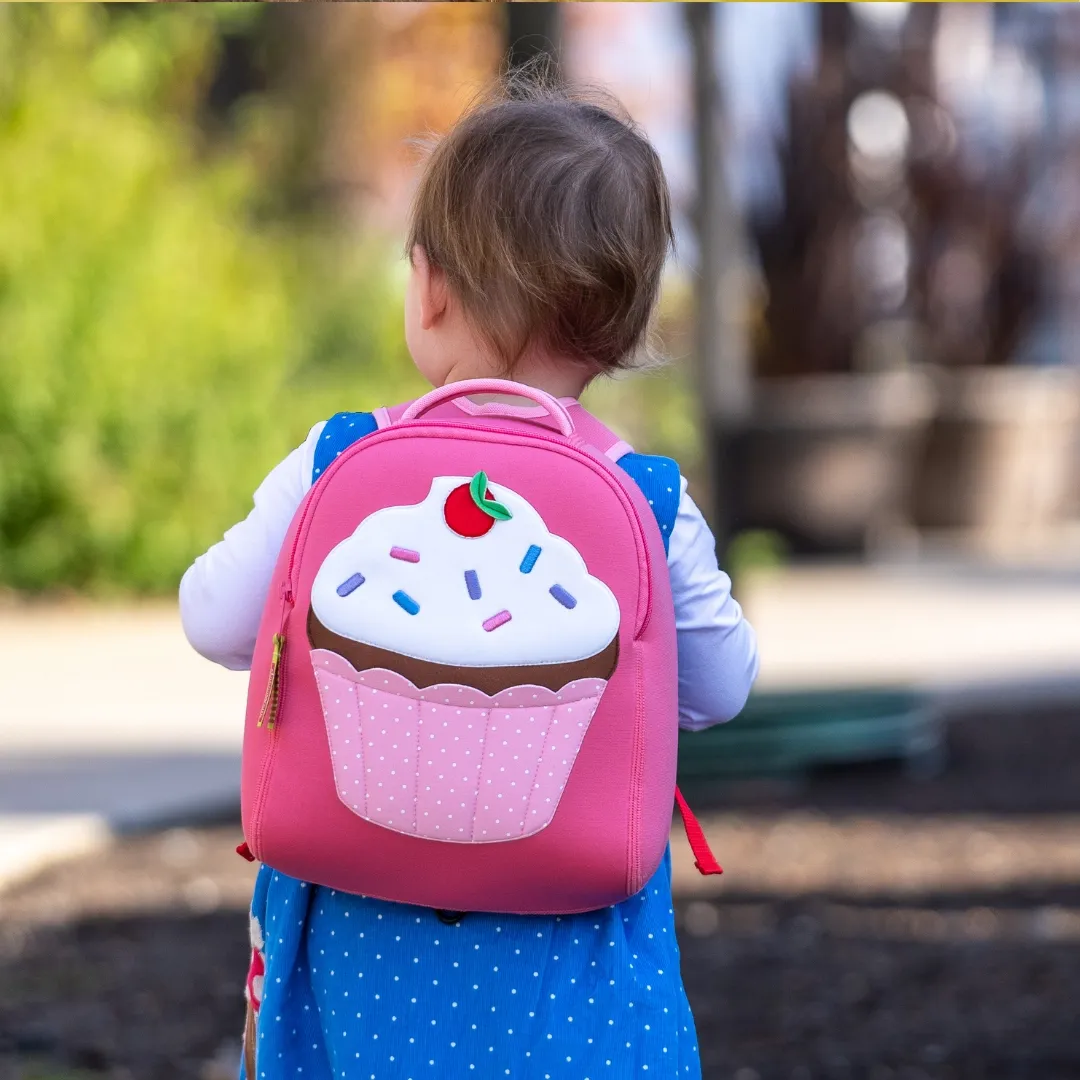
x,y
272,699
274,695
637,770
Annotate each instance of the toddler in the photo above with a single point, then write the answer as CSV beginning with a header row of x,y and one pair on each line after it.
x,y
537,242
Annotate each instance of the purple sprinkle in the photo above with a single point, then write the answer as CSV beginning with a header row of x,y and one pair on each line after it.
x,y
563,596
472,583
530,559
497,620
350,584
404,554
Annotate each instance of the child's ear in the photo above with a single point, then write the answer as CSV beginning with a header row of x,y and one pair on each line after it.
x,y
431,290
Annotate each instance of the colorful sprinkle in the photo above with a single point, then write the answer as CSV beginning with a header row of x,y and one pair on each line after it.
x,y
472,583
404,600
350,585
404,554
563,596
496,621
530,558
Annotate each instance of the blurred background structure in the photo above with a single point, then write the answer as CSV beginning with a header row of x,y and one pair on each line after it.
x,y
913,217
873,384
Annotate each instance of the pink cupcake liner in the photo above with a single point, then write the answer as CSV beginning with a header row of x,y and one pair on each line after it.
x,y
449,762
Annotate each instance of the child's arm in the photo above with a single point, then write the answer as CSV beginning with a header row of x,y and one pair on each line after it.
x,y
224,591
718,656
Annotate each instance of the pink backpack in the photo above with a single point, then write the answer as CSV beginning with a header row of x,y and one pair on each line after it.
x,y
464,688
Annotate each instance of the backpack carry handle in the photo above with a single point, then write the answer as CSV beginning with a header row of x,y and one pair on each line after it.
x,y
466,387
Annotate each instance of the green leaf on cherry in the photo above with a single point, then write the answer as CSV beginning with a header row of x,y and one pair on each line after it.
x,y
478,491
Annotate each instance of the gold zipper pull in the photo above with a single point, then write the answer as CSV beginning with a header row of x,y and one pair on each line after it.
x,y
272,699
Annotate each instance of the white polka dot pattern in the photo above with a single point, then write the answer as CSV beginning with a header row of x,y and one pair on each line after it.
x,y
362,989
449,762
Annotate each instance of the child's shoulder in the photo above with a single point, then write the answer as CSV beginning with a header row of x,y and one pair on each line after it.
x,y
658,476
337,434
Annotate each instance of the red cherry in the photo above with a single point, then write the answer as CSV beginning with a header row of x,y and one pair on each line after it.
x,y
463,515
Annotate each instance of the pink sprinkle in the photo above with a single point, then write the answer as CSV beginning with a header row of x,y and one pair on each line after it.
x,y
404,554
496,621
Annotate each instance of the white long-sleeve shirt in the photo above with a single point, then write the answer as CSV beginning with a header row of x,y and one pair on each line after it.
x,y
223,593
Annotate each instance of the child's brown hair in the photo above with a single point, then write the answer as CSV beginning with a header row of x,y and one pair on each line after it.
x,y
549,213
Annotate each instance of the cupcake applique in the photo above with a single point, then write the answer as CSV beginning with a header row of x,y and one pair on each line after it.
x,y
460,650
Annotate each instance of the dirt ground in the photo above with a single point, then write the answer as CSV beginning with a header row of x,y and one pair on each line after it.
x,y
868,926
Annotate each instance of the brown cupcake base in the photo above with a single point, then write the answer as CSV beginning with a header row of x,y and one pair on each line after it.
x,y
490,680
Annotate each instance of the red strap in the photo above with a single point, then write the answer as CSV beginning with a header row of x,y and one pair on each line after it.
x,y
256,970
704,859
245,852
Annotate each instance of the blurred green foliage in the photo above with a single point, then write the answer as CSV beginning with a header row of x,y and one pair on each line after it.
x,y
159,350
164,339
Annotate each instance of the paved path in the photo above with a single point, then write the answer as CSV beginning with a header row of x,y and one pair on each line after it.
x,y
948,627
108,720
111,680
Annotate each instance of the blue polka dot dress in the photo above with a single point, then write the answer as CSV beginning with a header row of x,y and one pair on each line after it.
x,y
361,989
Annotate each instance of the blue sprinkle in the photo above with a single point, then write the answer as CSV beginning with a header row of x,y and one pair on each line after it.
x,y
563,596
404,600
472,583
350,584
530,558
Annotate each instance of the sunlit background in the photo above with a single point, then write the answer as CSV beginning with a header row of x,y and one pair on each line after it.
x,y
871,329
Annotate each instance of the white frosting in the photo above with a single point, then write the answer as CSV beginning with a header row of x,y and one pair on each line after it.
x,y
448,628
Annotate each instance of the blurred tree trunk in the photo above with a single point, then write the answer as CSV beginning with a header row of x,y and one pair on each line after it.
x,y
721,350
356,83
822,252
532,31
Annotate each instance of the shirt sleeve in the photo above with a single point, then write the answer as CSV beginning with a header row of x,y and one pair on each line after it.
x,y
223,593
718,654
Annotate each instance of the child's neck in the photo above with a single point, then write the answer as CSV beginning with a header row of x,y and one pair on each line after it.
x,y
558,377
